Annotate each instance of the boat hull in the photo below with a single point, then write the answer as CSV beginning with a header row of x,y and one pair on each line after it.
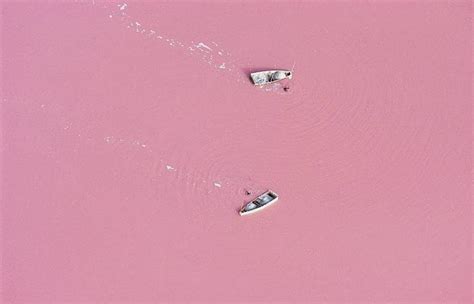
x,y
263,201
268,77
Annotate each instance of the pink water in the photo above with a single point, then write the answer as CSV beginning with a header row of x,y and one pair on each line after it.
x,y
126,156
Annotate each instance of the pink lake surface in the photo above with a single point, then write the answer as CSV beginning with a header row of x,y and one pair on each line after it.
x,y
130,133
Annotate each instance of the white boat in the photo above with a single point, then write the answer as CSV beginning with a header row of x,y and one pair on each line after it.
x,y
267,77
261,202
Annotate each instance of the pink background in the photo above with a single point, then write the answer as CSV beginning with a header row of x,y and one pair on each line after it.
x,y
125,156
